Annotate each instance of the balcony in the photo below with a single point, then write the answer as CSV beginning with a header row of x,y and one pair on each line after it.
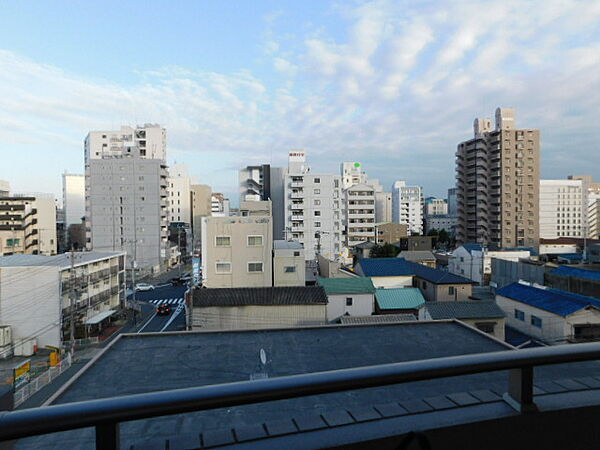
x,y
297,184
297,195
297,206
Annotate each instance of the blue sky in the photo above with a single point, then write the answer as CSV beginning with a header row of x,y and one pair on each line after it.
x,y
393,84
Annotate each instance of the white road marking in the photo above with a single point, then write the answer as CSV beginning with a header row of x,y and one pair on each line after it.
x,y
175,314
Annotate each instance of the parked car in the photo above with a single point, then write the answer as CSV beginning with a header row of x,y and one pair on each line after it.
x,y
177,281
142,287
163,310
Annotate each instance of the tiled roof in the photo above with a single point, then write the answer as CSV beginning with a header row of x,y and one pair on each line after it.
x,y
266,296
354,285
393,267
380,318
553,300
403,298
576,272
465,310
366,244
417,255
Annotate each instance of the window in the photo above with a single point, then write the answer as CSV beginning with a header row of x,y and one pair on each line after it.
x,y
317,224
451,290
486,327
255,267
317,213
317,202
289,269
317,180
424,284
348,301
462,259
536,321
317,191
223,267
223,241
255,241
296,253
519,315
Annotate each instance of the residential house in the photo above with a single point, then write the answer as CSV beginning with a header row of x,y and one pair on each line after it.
x,y
486,316
348,297
550,315
424,257
400,301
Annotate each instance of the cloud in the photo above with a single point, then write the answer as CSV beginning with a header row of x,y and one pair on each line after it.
x,y
396,85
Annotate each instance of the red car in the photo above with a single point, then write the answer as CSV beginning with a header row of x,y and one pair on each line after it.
x,y
163,310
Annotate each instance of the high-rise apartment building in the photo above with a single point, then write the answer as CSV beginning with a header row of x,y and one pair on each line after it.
x,y
562,209
435,206
4,188
127,193
313,208
452,209
73,190
352,173
497,181
201,206
591,198
407,206
179,194
360,214
383,207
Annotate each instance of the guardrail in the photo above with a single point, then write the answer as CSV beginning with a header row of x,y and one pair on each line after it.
x,y
106,414
41,380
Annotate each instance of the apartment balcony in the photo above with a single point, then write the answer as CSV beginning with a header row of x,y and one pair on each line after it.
x,y
297,184
369,215
297,229
297,217
297,206
297,195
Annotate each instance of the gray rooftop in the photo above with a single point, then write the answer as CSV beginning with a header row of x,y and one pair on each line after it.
x,y
477,309
417,255
291,245
381,318
63,260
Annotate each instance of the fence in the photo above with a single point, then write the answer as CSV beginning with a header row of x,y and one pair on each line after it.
x,y
42,380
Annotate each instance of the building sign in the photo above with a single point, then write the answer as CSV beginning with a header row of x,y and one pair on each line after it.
x,y
196,270
22,374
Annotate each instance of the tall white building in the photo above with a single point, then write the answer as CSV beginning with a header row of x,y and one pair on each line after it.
x,y
127,193
352,173
313,208
179,194
73,190
383,207
435,206
219,205
360,214
591,198
407,206
563,208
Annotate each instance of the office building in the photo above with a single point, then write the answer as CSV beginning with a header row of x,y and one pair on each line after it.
x,y
407,206
28,225
497,181
313,208
127,193
180,209
563,209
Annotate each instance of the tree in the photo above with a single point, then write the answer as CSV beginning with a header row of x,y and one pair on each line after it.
x,y
384,251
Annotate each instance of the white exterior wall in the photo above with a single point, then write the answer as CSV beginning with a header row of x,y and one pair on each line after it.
x,y
447,223
362,305
555,329
360,214
563,208
73,198
284,258
31,308
46,216
553,249
383,207
407,206
392,282
352,173
179,194
476,264
252,316
435,207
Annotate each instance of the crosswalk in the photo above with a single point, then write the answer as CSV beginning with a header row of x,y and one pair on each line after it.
x,y
167,301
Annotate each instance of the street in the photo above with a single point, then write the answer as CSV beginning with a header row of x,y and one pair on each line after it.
x,y
162,294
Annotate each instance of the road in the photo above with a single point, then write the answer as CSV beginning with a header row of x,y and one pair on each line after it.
x,y
171,295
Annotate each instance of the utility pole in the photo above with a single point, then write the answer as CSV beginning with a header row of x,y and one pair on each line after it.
x,y
72,297
133,269
179,245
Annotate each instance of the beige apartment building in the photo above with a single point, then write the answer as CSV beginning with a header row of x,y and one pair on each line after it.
x,y
390,233
498,180
27,225
237,250
201,206
288,263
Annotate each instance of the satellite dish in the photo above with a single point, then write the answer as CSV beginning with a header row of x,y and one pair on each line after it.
x,y
263,356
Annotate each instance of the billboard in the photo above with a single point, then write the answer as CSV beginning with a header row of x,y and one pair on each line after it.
x,y
196,270
22,374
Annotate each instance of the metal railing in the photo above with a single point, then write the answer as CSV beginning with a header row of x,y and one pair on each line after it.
x,y
106,414
41,380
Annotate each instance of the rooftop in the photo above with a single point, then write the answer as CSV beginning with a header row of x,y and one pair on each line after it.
x,y
266,296
555,301
577,272
290,245
472,247
393,267
377,319
403,298
417,255
354,285
63,260
465,310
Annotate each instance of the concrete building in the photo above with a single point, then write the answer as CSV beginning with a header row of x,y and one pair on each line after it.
x,y
201,205
475,261
444,222
591,199
435,206
390,232
313,208
237,250
73,190
407,206
288,264
383,207
352,173
28,225
360,214
43,309
550,315
219,205
348,297
505,272
180,208
4,188
258,307
563,209
452,204
497,181
127,193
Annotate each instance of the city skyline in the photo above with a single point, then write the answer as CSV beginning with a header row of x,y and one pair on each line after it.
x,y
376,82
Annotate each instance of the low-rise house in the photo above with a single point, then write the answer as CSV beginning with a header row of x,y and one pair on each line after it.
x,y
363,250
475,261
348,297
424,257
262,307
386,272
550,315
400,301
486,316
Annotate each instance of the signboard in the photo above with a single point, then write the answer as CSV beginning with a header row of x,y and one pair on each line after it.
x,y
196,270
22,374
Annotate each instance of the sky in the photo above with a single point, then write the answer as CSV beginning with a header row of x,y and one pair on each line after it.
x,y
392,84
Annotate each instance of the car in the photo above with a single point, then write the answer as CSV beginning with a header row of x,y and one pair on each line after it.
x,y
143,287
178,281
163,310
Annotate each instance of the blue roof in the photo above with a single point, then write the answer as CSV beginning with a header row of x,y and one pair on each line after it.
x,y
553,300
570,256
531,250
577,272
471,247
397,267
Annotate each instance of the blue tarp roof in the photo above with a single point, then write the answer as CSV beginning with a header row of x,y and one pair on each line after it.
x,y
555,301
394,267
577,272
